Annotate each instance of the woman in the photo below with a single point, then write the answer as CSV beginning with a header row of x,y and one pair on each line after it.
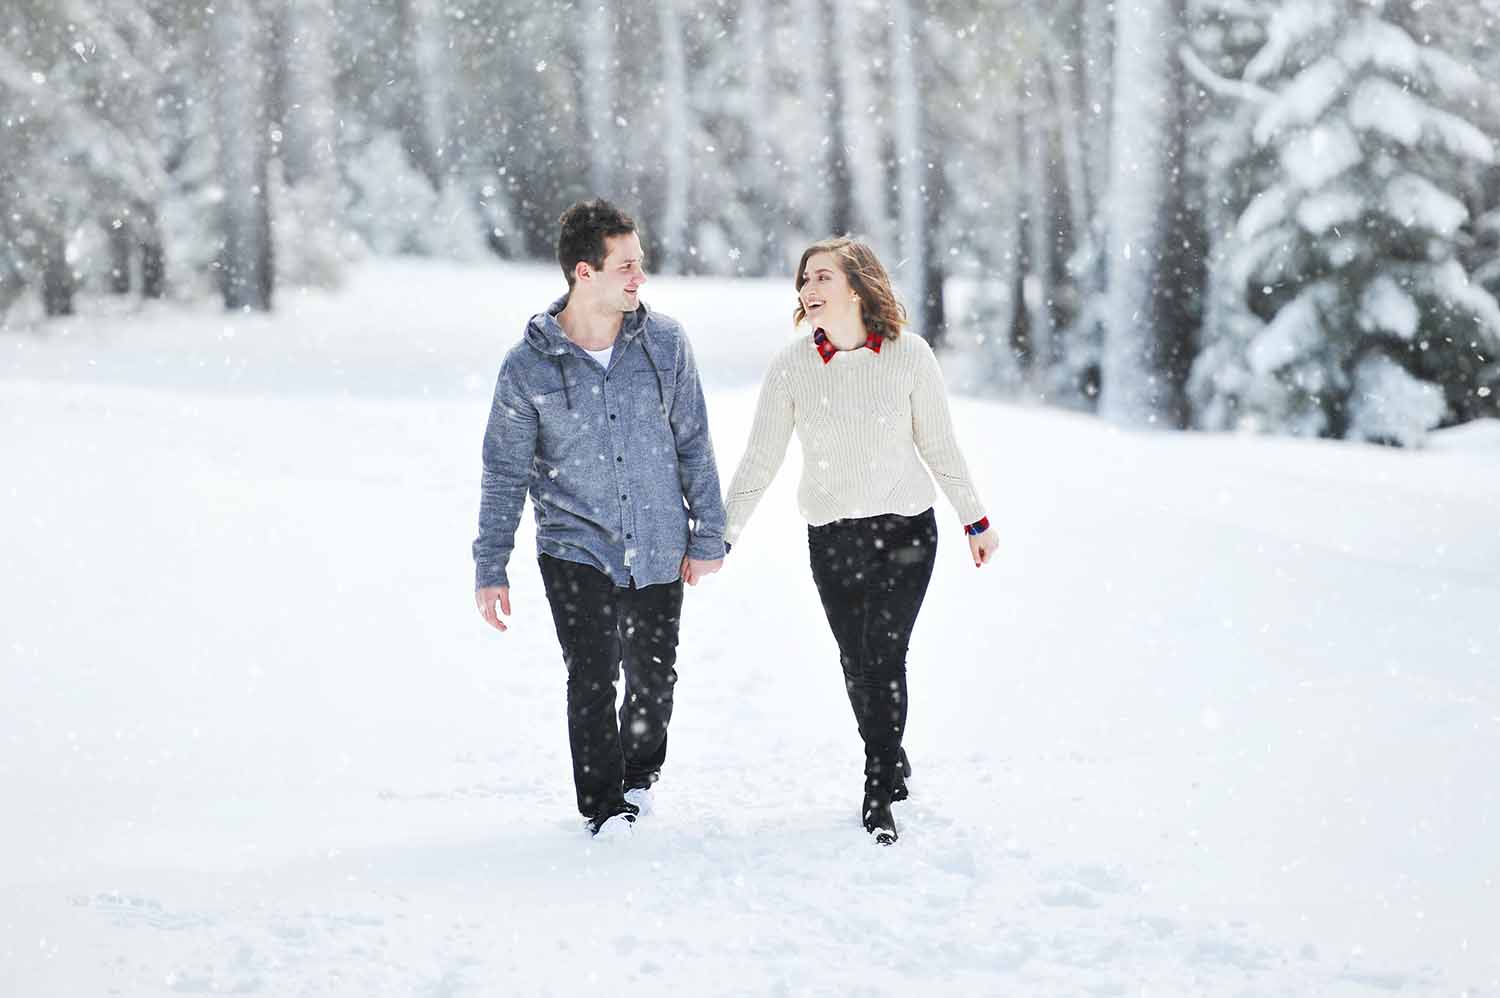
x,y
866,403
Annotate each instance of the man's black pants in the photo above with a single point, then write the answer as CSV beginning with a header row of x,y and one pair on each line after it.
x,y
872,574
600,627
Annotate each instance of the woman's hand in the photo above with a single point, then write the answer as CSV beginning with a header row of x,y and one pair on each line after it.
x,y
982,546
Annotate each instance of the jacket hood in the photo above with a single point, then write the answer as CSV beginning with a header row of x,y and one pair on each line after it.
x,y
545,335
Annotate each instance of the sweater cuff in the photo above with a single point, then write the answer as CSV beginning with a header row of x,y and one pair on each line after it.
x,y
979,526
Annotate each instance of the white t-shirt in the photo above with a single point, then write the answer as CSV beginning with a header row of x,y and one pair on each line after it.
x,y
602,356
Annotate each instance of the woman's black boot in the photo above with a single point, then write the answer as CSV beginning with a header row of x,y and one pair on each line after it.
x,y
878,819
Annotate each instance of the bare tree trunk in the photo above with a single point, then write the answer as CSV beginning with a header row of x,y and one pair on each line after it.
x,y
153,256
1098,89
932,306
1080,205
1039,287
837,185
310,120
1141,385
12,281
424,121
932,311
244,154
1005,256
595,85
58,282
121,252
756,44
674,240
862,143
815,157
911,156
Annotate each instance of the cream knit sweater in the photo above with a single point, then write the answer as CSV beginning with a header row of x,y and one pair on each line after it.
x,y
862,420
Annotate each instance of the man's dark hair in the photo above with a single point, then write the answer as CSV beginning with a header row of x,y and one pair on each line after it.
x,y
585,226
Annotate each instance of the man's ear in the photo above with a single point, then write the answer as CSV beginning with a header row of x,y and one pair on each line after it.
x,y
581,269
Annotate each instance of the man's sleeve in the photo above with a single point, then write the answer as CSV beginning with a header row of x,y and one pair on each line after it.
x,y
696,467
509,446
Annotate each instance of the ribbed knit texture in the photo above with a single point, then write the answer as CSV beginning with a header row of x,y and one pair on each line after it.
x,y
862,420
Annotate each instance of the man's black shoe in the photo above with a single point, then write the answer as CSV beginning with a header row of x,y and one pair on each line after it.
x,y
621,809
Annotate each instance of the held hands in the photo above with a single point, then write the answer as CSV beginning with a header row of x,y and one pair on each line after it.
x,y
982,546
486,598
490,598
694,569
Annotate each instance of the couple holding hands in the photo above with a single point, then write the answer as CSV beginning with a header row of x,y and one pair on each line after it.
x,y
599,415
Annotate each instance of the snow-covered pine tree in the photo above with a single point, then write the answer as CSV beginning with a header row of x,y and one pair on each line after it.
x,y
81,172
1470,32
1226,165
1351,312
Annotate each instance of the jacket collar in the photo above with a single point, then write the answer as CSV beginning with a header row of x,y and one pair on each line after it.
x,y
546,335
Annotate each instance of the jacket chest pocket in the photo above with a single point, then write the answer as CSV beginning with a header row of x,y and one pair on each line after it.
x,y
638,393
563,417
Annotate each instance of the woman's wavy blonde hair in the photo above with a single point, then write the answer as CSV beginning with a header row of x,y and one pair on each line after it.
x,y
882,313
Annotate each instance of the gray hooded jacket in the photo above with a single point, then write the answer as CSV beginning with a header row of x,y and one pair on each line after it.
x,y
618,461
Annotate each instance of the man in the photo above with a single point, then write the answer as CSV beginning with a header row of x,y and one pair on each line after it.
x,y
599,415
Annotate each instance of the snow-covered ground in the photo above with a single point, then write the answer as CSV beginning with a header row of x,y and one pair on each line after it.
x,y
1222,720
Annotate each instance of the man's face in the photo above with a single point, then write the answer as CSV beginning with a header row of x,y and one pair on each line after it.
x,y
617,284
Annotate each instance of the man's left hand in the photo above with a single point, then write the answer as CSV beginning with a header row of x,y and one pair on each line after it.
x,y
694,569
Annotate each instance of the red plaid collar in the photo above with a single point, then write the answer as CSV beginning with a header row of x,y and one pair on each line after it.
x,y
826,349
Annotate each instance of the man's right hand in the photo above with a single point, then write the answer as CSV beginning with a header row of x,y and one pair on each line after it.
x,y
486,599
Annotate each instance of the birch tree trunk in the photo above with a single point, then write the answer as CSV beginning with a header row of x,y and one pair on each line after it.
x,y
1138,385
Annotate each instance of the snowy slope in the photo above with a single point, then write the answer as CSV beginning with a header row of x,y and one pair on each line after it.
x,y
1222,719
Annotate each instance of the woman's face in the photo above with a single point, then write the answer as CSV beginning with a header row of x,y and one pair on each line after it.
x,y
826,295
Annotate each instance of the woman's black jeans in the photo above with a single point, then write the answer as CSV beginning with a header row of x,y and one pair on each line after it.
x,y
602,627
872,574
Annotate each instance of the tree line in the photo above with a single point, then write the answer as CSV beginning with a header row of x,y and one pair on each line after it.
x,y
1281,215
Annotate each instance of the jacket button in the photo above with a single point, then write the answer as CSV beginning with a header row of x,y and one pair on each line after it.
x,y
623,498
621,460
629,536
611,415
